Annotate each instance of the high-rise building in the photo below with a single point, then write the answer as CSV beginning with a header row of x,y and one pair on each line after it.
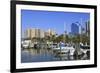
x,y
27,33
50,32
34,33
42,34
74,29
87,28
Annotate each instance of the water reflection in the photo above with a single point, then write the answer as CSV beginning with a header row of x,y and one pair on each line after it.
x,y
44,55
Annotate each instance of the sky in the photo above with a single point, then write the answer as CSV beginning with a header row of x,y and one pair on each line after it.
x,y
51,20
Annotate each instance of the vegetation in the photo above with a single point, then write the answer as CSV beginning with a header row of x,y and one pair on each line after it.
x,y
64,38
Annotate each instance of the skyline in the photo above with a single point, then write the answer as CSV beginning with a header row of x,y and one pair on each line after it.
x,y
51,20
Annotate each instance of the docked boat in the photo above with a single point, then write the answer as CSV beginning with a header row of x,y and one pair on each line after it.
x,y
63,49
25,43
84,48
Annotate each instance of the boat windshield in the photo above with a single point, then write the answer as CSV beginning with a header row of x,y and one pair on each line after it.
x,y
62,45
85,47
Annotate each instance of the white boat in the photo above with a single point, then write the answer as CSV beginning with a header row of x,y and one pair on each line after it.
x,y
84,48
64,49
26,43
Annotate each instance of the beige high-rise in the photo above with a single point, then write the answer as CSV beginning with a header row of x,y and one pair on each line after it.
x,y
34,33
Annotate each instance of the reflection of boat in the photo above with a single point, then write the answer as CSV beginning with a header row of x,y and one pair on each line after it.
x,y
62,48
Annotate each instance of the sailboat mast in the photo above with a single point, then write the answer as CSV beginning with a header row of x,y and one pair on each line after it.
x,y
64,32
81,31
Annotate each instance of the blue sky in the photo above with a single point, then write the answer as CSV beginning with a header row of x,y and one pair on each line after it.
x,y
51,20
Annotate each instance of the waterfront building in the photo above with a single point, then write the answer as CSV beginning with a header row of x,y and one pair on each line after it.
x,y
50,32
27,33
34,33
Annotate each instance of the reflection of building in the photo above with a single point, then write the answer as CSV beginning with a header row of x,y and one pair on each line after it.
x,y
34,33
74,29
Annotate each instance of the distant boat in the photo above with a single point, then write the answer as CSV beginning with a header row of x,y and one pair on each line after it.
x,y
25,43
64,49
84,48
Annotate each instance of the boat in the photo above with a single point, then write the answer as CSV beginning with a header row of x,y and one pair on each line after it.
x,y
25,43
84,48
64,49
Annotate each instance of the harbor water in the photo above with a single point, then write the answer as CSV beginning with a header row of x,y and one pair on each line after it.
x,y
47,55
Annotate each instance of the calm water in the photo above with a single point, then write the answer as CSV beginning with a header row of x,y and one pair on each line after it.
x,y
44,55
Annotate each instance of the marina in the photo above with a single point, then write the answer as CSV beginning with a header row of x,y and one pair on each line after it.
x,y
69,41
56,53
